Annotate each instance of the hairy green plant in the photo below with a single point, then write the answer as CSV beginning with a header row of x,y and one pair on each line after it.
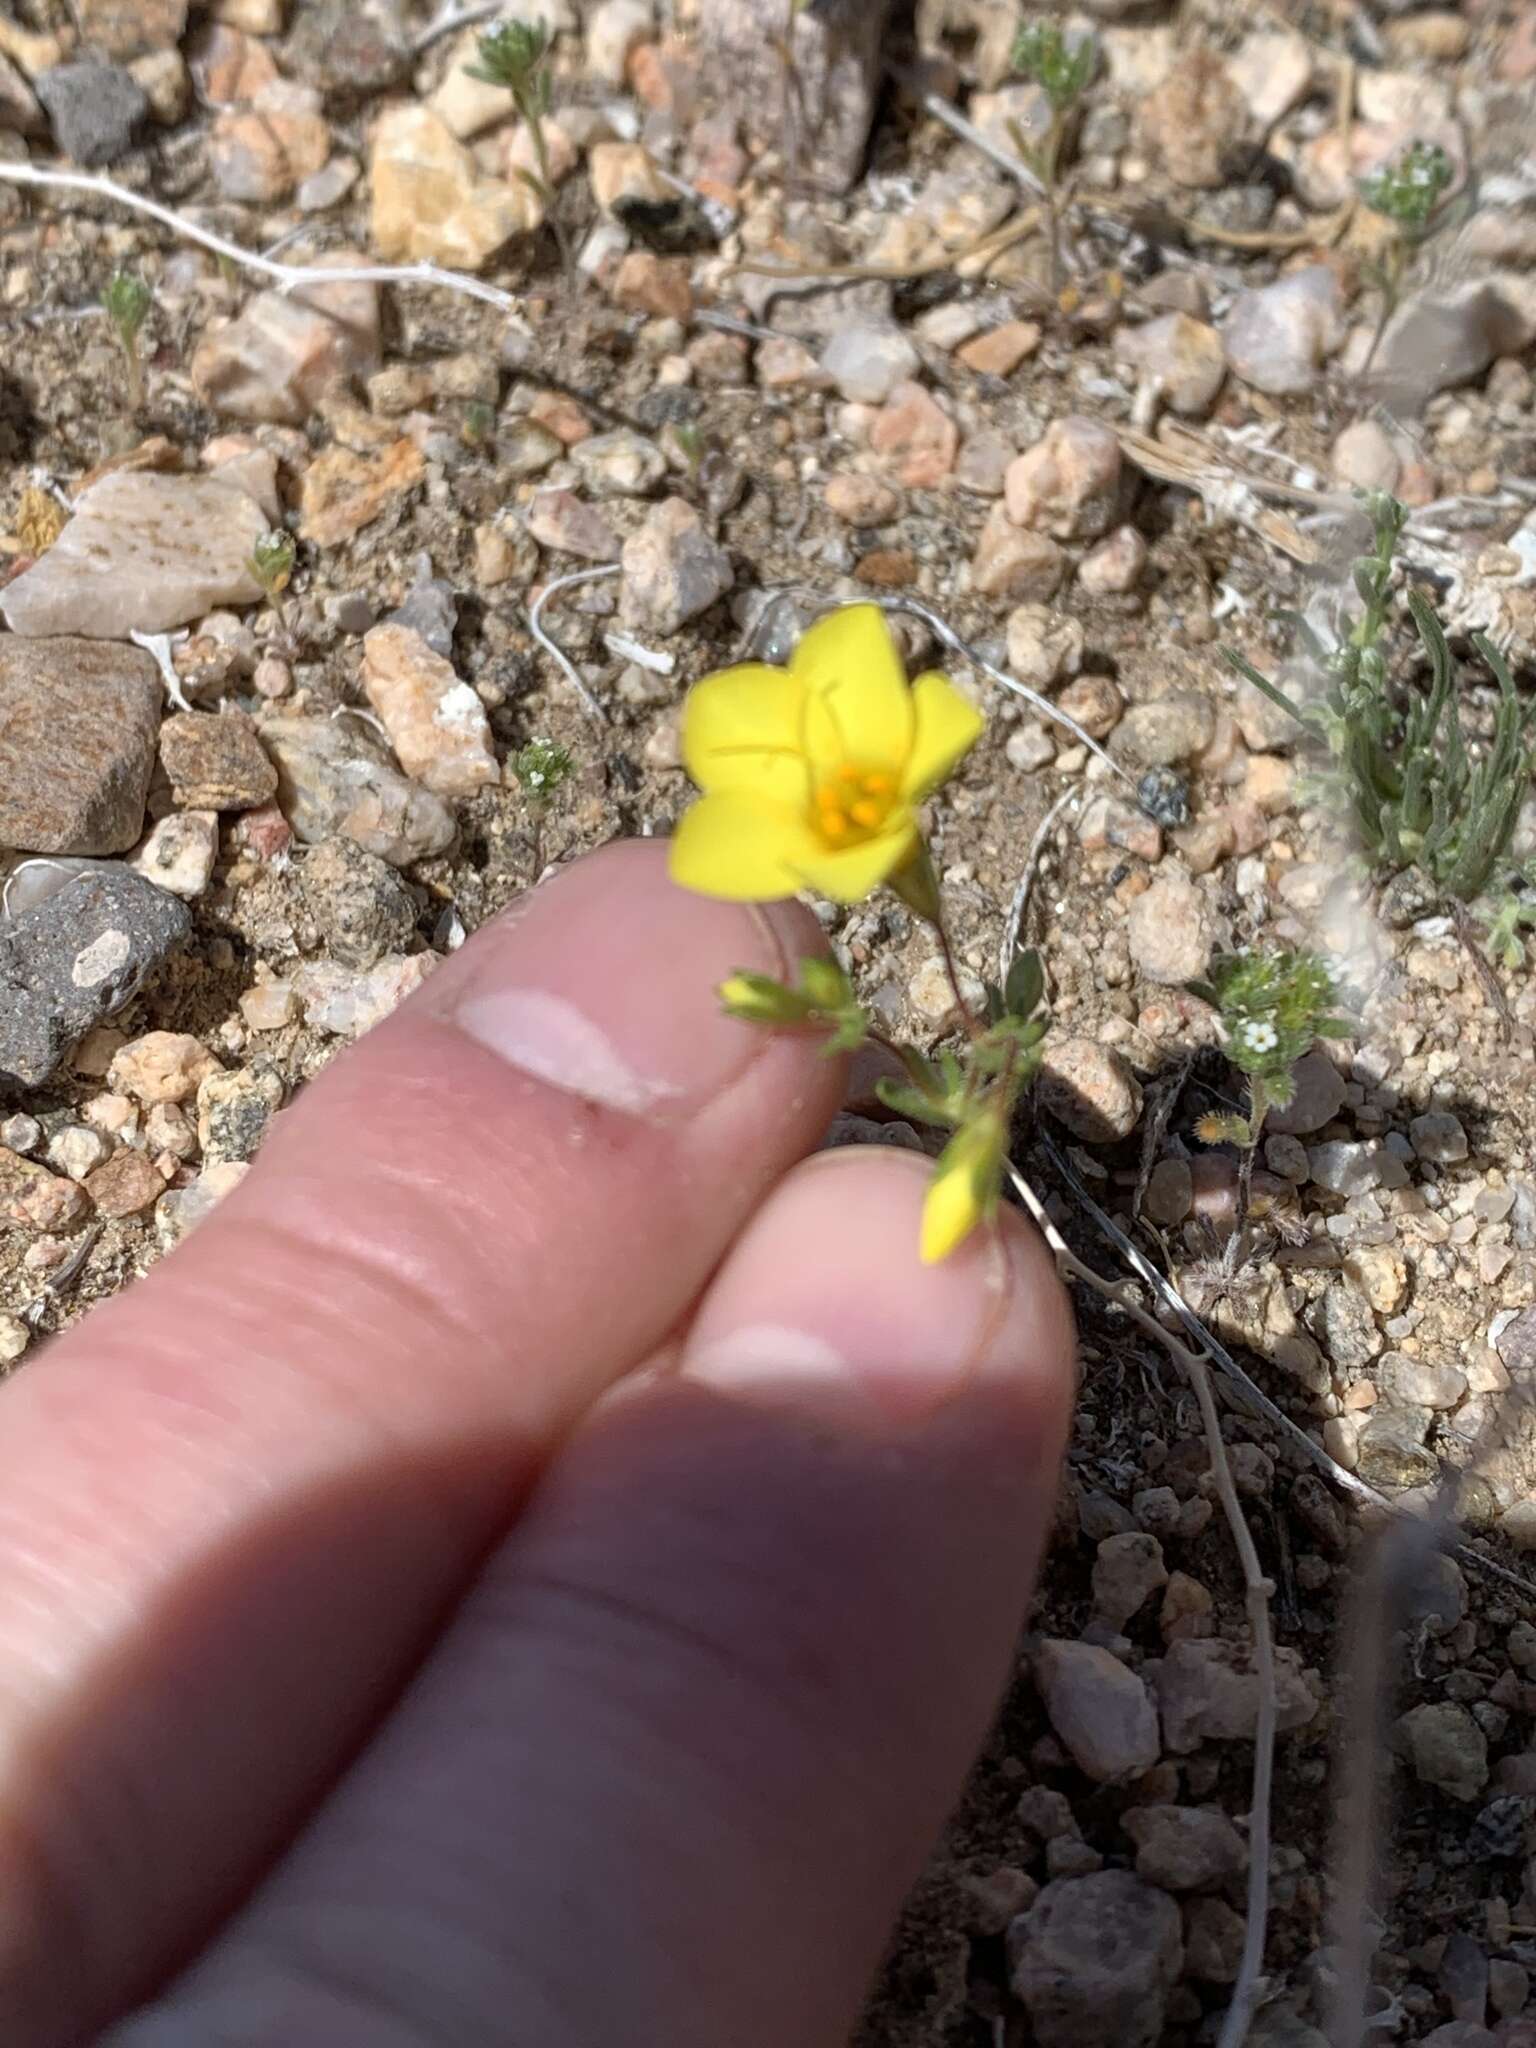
x,y
515,55
541,768
127,300
1509,914
1407,192
1396,761
271,565
1273,1005
1062,67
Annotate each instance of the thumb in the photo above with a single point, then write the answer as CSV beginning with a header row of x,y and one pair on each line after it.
x,y
675,1764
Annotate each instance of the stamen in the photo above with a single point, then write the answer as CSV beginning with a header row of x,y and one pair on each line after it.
x,y
834,824
866,812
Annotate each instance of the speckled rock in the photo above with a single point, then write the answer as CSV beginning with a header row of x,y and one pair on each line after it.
x,y
126,1185
358,901
78,721
233,1111
75,961
32,1198
215,762
180,852
1094,1959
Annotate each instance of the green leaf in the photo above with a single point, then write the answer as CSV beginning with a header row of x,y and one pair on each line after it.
x,y
1025,986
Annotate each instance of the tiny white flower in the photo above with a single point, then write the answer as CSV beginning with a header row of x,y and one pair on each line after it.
x,y
1260,1037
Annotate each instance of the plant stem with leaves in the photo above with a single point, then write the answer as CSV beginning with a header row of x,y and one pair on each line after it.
x,y
540,768
1062,69
1407,193
515,55
127,301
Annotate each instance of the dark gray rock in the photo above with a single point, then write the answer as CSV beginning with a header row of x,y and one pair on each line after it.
x,y
359,902
95,110
75,961
1094,1959
430,609
78,721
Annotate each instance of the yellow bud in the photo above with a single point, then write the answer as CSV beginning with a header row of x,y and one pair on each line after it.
x,y
965,1186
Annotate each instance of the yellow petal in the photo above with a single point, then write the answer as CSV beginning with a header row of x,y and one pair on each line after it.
x,y
858,709
951,1212
744,848
947,728
851,872
742,730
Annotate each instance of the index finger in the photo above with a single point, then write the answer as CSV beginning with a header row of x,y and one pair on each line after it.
x,y
236,1504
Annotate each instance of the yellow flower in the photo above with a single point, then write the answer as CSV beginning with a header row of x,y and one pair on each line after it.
x,y
812,774
965,1188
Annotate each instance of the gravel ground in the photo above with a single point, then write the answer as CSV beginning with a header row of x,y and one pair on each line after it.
x,y
1097,480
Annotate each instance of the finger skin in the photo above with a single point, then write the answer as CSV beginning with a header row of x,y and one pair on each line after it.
x,y
236,1504
674,1765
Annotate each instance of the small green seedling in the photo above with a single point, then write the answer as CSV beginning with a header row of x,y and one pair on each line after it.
x,y
516,56
271,565
541,768
1396,760
1407,192
127,300
1062,67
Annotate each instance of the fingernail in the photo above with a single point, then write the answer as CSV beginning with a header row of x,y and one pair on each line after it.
x,y
825,1307
603,984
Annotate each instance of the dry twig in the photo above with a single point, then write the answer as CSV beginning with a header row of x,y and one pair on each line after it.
x,y
287,277
558,655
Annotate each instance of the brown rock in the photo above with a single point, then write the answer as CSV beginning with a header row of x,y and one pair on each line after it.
x,y
916,437
125,1185
1089,1088
78,720
658,285
999,352
886,569
344,492
34,1198
1013,563
215,761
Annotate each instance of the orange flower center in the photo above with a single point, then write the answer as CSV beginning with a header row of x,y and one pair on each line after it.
x,y
852,804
